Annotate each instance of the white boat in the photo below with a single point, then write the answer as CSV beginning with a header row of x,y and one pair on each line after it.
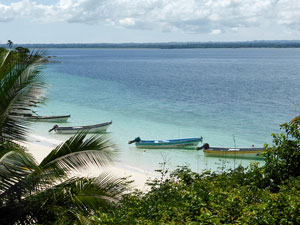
x,y
57,119
97,128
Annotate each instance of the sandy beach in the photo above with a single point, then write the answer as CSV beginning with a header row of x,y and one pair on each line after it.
x,y
40,147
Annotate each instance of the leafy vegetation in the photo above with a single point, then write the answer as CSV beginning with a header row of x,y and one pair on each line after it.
x,y
208,198
283,159
46,192
256,195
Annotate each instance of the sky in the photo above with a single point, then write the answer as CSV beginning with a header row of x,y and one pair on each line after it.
x,y
142,21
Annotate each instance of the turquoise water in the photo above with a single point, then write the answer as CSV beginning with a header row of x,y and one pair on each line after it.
x,y
231,97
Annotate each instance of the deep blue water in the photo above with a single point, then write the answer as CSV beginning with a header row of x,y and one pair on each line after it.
x,y
228,96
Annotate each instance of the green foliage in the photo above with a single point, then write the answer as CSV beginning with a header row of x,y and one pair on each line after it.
x,y
283,159
75,199
20,87
44,193
208,198
256,195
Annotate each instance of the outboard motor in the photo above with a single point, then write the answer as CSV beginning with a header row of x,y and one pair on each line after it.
x,y
53,128
138,139
205,146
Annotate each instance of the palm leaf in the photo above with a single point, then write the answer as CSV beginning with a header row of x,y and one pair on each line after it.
x,y
20,84
80,152
75,154
9,146
7,62
20,174
14,167
77,198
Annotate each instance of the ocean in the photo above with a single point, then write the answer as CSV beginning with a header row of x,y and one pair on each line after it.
x,y
231,97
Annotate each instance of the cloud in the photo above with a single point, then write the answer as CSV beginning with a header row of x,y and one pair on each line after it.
x,y
215,31
191,16
6,13
127,22
289,13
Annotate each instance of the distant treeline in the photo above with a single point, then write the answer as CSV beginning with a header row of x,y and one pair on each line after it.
x,y
171,45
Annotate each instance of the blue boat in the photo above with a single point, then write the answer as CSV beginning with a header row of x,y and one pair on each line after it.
x,y
174,143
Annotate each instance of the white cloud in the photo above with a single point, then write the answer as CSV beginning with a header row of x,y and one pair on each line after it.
x,y
215,31
191,16
289,13
6,13
127,22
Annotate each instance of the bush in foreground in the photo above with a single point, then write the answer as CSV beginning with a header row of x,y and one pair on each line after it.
x,y
208,198
256,195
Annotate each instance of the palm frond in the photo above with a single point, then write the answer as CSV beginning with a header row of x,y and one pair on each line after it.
x,y
6,147
77,198
23,177
14,167
7,62
20,85
80,152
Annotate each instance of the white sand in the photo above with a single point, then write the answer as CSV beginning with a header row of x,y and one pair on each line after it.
x,y
40,147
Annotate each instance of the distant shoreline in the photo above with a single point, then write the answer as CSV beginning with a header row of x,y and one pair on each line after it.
x,y
168,45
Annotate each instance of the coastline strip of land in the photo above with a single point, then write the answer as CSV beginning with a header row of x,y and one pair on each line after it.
x,y
168,45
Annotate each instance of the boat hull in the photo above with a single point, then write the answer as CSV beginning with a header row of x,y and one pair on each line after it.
x,y
53,119
99,128
167,144
235,152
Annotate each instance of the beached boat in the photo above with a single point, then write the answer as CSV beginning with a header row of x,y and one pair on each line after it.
x,y
251,152
56,119
175,143
97,128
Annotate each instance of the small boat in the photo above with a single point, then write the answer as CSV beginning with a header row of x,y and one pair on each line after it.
x,y
251,152
97,128
28,115
175,143
56,119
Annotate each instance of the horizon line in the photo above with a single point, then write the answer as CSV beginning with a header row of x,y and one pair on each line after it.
x,y
167,42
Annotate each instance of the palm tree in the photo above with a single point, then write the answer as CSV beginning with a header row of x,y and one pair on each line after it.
x,y
9,44
46,192
20,86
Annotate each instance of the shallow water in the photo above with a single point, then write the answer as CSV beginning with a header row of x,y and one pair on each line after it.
x,y
231,97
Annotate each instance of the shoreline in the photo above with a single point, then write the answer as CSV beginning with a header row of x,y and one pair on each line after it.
x,y
168,45
40,147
